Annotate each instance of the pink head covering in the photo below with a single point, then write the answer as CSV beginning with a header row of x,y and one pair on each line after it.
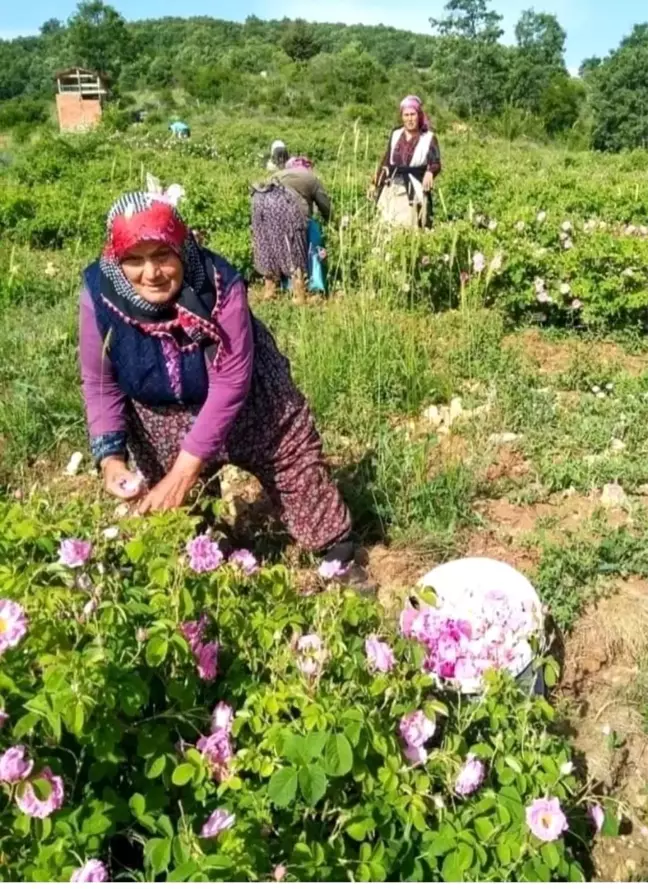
x,y
299,163
413,103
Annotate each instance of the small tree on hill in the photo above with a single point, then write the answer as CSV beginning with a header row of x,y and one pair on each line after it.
x,y
471,54
99,38
299,42
538,64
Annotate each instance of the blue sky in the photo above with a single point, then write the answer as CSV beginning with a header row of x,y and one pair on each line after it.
x,y
593,26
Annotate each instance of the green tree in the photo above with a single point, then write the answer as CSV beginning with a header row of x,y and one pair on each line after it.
x,y
471,20
51,26
540,36
351,76
589,66
620,95
538,60
561,103
299,42
98,38
475,63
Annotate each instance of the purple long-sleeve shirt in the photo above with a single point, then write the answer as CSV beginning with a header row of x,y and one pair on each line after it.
x,y
229,377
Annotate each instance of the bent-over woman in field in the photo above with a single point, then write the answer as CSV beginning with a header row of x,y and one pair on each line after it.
x,y
181,377
405,178
281,210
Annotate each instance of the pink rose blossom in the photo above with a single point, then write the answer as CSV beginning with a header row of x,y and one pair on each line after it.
x,y
218,821
222,717
448,648
471,776
13,624
279,872
312,646
597,816
425,627
93,871
29,803
444,669
416,755
465,670
14,765
244,559
204,554
331,570
416,728
74,553
406,621
194,631
205,653
546,820
379,655
218,752
207,658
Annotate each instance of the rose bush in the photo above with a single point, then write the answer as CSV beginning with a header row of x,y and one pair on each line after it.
x,y
293,754
507,216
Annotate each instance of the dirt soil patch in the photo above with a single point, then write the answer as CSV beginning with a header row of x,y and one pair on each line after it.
x,y
556,357
565,511
508,463
602,658
489,544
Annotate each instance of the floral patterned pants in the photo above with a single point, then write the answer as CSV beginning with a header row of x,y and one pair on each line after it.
x,y
274,438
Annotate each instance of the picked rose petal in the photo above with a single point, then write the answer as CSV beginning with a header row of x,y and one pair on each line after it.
x,y
329,570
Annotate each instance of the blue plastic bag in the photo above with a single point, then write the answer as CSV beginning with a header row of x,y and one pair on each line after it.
x,y
316,267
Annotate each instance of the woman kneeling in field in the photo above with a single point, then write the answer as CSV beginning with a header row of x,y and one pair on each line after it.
x,y
178,374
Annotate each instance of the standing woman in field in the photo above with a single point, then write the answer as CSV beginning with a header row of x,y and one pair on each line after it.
x,y
281,211
180,376
405,178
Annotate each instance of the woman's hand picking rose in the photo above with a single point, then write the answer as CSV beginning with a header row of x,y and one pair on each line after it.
x,y
120,481
172,491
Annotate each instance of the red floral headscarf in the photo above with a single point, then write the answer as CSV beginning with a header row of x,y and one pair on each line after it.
x,y
143,216
138,217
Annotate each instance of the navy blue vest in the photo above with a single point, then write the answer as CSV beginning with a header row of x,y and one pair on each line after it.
x,y
138,358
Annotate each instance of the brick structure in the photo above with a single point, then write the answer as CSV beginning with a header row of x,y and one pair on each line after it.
x,y
79,99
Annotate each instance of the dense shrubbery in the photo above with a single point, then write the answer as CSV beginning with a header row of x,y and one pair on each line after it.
x,y
20,112
560,235
314,69
103,683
